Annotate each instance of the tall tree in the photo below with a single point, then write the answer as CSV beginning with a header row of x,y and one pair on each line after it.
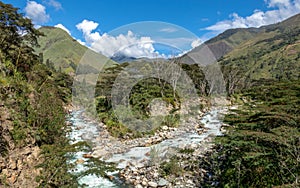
x,y
17,37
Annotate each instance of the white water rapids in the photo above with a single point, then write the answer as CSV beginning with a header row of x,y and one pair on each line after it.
x,y
84,130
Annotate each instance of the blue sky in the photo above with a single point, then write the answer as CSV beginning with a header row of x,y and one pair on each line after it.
x,y
103,24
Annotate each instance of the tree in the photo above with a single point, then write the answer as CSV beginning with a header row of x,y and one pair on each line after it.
x,y
17,38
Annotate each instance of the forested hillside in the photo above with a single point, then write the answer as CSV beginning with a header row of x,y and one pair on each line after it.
x,y
33,145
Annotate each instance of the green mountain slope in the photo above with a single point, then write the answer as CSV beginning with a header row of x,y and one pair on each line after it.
x,y
230,39
253,55
271,54
64,52
223,43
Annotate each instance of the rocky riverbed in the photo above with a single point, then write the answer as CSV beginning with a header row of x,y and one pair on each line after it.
x,y
148,161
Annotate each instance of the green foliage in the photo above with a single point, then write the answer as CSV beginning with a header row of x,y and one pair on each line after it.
x,y
34,96
262,146
195,72
171,120
147,90
186,151
171,167
17,37
56,166
98,168
142,94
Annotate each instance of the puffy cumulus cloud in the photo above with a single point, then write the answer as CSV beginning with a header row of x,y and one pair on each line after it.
x,y
128,44
282,9
87,26
36,12
61,26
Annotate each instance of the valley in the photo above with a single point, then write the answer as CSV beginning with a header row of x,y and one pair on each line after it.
x,y
225,113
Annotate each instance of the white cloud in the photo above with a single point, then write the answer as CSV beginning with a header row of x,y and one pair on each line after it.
x,y
87,26
196,43
61,26
281,9
275,3
36,12
57,5
81,42
129,44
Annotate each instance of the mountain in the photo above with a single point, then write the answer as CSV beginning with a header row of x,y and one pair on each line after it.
x,y
233,38
121,58
64,52
223,43
273,53
251,55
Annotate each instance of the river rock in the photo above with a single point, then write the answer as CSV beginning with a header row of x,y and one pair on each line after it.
x,y
86,155
165,128
162,182
13,164
79,161
144,183
12,179
138,186
152,184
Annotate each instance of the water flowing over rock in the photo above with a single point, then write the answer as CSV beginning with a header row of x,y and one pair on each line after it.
x,y
138,159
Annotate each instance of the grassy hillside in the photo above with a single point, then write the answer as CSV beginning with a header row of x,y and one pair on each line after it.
x,y
273,54
63,52
59,48
259,50
230,39
224,43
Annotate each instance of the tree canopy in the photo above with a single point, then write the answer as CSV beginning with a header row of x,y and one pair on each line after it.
x,y
17,37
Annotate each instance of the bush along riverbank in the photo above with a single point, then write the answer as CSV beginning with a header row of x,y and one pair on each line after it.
x,y
261,147
33,145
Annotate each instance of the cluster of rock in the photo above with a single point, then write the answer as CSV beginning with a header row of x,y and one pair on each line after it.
x,y
106,145
20,167
17,163
151,176
143,177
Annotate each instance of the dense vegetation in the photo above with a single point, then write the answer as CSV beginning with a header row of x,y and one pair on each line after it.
x,y
261,147
32,96
141,96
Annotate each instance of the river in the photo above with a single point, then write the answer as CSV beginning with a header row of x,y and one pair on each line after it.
x,y
83,129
